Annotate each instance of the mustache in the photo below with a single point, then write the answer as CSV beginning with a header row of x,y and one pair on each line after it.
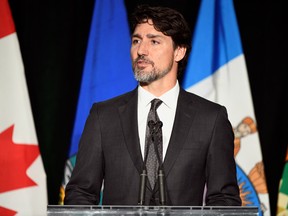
x,y
142,58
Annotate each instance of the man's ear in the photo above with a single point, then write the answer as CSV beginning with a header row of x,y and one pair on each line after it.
x,y
179,53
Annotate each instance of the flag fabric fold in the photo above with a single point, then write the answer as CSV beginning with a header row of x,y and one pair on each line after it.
x,y
282,202
217,71
23,180
107,70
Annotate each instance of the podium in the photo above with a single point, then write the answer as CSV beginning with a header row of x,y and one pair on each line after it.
x,y
66,210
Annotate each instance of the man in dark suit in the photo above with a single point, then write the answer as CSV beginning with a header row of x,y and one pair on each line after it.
x,y
198,160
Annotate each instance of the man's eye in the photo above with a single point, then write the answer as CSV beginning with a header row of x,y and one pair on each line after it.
x,y
155,42
135,41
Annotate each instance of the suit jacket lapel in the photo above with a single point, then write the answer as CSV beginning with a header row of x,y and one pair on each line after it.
x,y
183,120
128,116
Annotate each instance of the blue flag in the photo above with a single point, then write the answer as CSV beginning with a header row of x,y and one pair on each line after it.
x,y
107,70
217,71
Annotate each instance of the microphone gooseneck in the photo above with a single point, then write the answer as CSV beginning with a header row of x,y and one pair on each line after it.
x,y
154,128
161,186
143,180
144,175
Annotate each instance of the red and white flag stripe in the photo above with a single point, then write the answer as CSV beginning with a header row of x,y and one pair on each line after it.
x,y
23,189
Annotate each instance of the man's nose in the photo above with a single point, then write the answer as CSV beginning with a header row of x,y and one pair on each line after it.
x,y
143,49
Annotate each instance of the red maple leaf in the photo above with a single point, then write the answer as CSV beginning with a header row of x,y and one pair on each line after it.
x,y
15,159
6,20
7,212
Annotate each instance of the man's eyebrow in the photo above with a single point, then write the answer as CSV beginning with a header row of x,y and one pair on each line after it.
x,y
148,35
136,35
154,36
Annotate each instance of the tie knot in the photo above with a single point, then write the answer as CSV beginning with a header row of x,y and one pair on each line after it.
x,y
155,103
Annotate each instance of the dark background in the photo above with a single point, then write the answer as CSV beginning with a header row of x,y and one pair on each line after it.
x,y
53,37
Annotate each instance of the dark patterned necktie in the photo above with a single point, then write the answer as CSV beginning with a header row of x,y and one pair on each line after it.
x,y
153,137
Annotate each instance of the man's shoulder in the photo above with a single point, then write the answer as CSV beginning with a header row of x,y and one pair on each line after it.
x,y
197,99
117,100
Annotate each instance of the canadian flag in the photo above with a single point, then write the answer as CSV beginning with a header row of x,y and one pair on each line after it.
x,y
23,189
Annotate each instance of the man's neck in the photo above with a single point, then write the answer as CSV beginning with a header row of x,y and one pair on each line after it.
x,y
159,87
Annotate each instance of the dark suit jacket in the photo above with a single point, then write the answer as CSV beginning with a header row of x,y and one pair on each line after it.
x,y
200,152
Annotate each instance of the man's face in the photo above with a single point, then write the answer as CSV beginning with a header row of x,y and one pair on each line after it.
x,y
151,52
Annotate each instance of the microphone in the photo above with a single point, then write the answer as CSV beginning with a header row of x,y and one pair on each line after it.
x,y
143,180
162,188
143,176
154,128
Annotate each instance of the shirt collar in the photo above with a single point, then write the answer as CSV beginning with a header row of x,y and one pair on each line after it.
x,y
169,98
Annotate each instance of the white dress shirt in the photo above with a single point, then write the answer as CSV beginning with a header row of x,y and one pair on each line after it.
x,y
166,113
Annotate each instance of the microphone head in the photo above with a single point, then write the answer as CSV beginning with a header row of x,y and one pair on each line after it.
x,y
151,124
154,126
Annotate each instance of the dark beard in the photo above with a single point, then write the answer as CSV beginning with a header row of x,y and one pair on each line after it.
x,y
151,76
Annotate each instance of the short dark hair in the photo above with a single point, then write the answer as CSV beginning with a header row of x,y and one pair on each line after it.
x,y
168,21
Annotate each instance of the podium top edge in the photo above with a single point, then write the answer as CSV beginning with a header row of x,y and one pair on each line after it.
x,y
119,207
